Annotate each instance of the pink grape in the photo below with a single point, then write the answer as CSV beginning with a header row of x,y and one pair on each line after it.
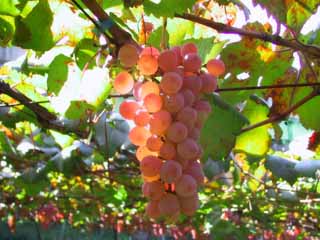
x,y
209,83
177,50
152,209
169,205
174,103
153,190
177,132
188,48
192,83
123,82
195,170
168,151
139,135
154,143
150,51
150,166
149,87
186,186
171,83
187,116
153,102
192,62
147,65
188,96
128,55
143,151
142,118
168,60
128,109
160,121
216,67
189,205
189,148
170,171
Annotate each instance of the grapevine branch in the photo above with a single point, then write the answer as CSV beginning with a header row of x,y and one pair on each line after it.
x,y
310,50
284,114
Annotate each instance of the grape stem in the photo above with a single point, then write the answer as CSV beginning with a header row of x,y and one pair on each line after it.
x,y
296,45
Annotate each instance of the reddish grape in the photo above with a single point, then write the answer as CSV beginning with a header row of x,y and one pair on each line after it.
x,y
160,121
177,132
153,210
195,170
142,118
139,135
192,62
151,179
188,96
153,102
170,171
128,109
189,205
168,151
216,67
188,48
187,116
150,51
189,148
147,65
209,83
128,55
154,143
174,103
123,83
168,60
169,205
143,152
150,166
149,87
192,83
177,50
186,186
153,190
194,133
171,83
137,90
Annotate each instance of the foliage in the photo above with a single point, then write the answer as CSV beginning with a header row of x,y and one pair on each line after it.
x,y
70,149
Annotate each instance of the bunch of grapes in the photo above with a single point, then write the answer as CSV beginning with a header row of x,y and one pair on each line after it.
x,y
168,111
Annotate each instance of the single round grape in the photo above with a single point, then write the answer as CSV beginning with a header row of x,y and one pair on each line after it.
x,y
153,190
139,135
174,103
168,61
168,151
209,83
203,110
170,171
150,51
171,83
188,48
216,67
195,170
188,116
153,102
177,132
128,109
123,83
154,143
143,151
160,121
137,90
128,55
169,205
194,133
177,50
147,65
192,83
192,62
149,87
150,166
188,96
186,186
188,148
189,205
152,209
142,118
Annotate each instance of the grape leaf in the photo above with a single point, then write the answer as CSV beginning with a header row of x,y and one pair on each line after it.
x,y
274,7
84,52
219,133
58,73
185,28
6,30
156,37
78,109
167,8
8,7
255,141
33,32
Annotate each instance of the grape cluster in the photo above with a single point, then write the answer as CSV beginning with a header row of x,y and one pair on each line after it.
x,y
168,111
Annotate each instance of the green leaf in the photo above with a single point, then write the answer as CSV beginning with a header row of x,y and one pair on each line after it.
x,y
8,7
274,7
167,8
6,30
58,73
255,141
33,32
84,52
78,109
155,37
219,133
282,167
253,184
186,28
297,15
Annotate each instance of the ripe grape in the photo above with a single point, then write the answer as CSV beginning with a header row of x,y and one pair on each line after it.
x,y
149,87
153,102
194,133
174,103
139,135
170,171
177,132
160,121
168,60
209,83
123,83
128,109
192,62
142,118
154,143
189,148
171,83
152,209
189,205
186,186
128,55
188,48
192,83
195,170
147,65
150,179
216,67
188,96
169,205
153,190
143,151
150,166
137,90
168,151
150,51
203,110
177,50
183,161
188,116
